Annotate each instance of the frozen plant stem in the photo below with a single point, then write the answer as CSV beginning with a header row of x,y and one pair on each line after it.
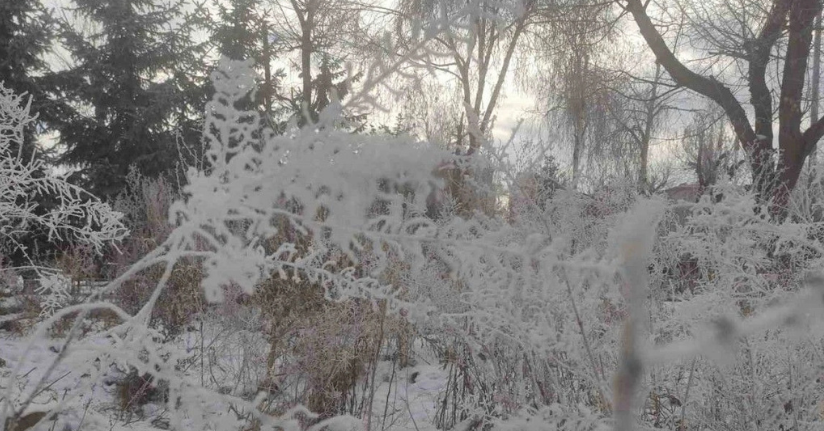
x,y
580,323
386,402
631,365
634,246
627,379
687,393
383,307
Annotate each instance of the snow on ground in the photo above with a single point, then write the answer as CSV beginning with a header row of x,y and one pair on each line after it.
x,y
60,385
405,399
408,399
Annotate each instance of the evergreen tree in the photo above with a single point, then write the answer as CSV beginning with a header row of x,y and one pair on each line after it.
x,y
550,180
25,35
136,76
243,30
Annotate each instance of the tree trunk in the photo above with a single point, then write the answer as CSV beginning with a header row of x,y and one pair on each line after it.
x,y
306,62
815,82
578,145
795,19
578,108
268,85
643,174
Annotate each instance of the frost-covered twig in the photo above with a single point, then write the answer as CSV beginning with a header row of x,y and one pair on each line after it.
x,y
726,331
78,216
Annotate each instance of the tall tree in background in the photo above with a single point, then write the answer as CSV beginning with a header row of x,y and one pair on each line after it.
x,y
244,29
752,46
478,53
25,34
134,84
708,148
317,34
642,106
572,82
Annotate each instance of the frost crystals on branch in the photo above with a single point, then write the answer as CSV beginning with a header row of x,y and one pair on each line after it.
x,y
78,217
357,199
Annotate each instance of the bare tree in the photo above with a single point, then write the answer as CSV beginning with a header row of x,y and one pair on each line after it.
x,y
753,46
577,77
708,148
644,104
316,32
478,54
576,85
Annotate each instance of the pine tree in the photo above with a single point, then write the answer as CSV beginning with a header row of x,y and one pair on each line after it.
x,y
136,76
243,30
550,180
25,34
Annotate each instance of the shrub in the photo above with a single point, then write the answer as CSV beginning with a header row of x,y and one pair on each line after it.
x,y
134,390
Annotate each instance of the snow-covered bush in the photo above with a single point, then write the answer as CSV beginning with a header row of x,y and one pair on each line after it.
x,y
357,200
145,204
545,314
77,216
55,293
741,266
338,189
74,216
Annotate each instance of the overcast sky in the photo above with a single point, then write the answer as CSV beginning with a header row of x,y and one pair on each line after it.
x,y
514,106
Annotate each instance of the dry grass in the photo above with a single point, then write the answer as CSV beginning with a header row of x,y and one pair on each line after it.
x,y
320,349
180,301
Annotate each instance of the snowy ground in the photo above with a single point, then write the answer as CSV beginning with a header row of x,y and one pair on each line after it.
x,y
81,385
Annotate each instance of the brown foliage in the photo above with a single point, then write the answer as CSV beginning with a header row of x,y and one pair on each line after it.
x,y
136,390
180,300
25,422
329,345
